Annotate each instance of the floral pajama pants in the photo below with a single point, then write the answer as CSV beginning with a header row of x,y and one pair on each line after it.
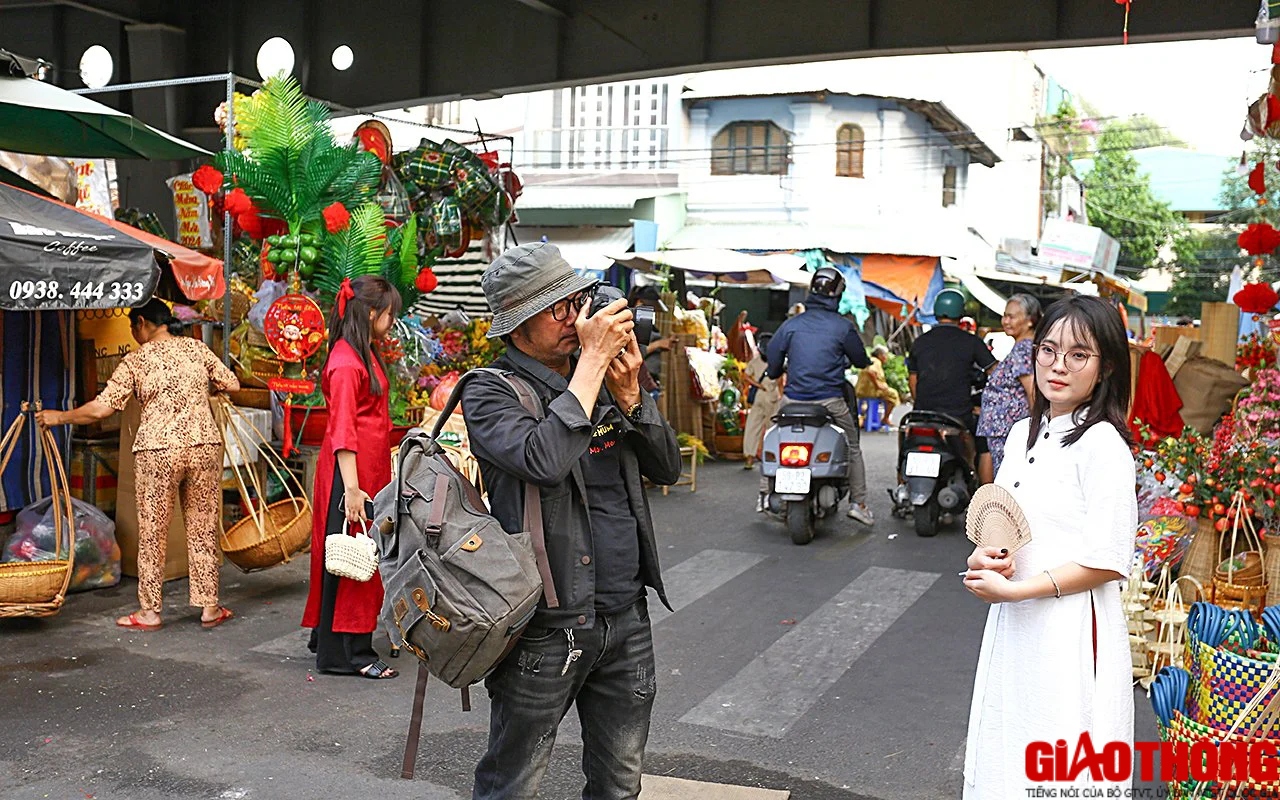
x,y
194,476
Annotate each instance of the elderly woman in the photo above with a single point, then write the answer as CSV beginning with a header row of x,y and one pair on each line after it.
x,y
178,453
873,384
1011,387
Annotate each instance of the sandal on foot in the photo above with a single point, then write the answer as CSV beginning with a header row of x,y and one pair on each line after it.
x,y
132,621
378,670
224,614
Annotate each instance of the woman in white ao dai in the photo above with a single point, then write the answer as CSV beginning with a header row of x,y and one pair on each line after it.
x,y
1055,652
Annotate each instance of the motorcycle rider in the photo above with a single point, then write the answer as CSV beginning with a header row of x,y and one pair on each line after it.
x,y
814,348
943,363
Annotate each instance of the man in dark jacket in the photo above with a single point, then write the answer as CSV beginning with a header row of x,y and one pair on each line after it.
x,y
814,348
589,642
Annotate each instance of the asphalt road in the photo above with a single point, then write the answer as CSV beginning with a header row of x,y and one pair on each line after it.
x,y
840,670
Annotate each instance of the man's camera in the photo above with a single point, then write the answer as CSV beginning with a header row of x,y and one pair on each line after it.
x,y
604,294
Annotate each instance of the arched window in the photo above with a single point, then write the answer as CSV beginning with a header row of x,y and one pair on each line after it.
x,y
849,145
750,148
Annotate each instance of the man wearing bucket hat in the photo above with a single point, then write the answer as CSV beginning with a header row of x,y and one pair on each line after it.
x,y
597,437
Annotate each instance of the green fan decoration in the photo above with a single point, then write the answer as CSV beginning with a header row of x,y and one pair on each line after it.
x,y
292,169
357,250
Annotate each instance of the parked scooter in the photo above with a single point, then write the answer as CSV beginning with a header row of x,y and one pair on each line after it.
x,y
805,458
935,469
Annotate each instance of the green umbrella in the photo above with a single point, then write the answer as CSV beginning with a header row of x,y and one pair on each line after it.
x,y
38,117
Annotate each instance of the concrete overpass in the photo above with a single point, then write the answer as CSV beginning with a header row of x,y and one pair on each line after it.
x,y
406,52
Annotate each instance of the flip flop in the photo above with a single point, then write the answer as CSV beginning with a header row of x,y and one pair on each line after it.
x,y
224,614
132,621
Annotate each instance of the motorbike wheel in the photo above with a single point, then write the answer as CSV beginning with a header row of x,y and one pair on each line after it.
x,y
800,522
925,518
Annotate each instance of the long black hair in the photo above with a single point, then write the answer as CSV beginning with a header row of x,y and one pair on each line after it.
x,y
375,294
1090,318
157,313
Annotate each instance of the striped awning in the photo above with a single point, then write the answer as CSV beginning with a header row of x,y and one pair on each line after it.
x,y
459,285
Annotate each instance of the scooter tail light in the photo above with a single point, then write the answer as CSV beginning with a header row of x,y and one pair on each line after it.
x,y
922,431
796,455
925,448
824,457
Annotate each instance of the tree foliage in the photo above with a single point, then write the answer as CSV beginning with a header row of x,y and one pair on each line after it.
x,y
1201,271
1120,202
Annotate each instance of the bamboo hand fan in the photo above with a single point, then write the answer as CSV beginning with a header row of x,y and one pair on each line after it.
x,y
995,520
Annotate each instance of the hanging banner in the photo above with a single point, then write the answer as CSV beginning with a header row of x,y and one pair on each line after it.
x,y
93,193
192,213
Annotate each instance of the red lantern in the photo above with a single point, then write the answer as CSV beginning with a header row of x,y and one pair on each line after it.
x,y
207,179
238,202
1256,298
426,280
1259,239
336,217
1258,179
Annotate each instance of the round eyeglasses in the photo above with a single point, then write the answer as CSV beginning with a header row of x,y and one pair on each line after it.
x,y
1075,360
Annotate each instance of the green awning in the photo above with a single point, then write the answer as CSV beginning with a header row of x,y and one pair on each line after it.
x,y
40,118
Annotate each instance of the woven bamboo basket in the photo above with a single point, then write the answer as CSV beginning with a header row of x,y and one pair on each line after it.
x,y
39,588
1240,581
272,534
266,539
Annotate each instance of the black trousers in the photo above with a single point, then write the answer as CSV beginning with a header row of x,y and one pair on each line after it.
x,y
341,653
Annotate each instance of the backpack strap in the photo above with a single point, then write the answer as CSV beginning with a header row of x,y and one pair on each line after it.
x,y
532,496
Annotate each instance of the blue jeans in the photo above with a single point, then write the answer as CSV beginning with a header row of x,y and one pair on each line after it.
x,y
613,684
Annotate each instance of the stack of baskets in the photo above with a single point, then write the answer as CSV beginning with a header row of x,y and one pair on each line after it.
x,y
38,588
1227,691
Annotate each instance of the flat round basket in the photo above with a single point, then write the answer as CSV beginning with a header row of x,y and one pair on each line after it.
x,y
33,582
288,524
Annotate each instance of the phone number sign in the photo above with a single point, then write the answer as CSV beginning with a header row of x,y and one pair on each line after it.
x,y
31,293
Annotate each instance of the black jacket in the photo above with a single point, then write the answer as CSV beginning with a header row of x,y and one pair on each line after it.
x,y
814,349
513,446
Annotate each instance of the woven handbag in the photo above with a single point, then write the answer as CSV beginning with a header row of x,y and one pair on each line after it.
x,y
347,556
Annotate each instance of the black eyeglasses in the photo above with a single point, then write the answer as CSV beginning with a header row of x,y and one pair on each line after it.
x,y
1075,360
569,306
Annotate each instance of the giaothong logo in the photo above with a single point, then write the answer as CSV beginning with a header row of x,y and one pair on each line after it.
x,y
1206,760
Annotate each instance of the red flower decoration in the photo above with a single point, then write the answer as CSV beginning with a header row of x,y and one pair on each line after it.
x,y
207,179
1259,239
238,202
426,280
336,217
1256,298
1258,179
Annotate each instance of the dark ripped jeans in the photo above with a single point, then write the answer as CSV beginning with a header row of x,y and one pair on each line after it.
x,y
613,685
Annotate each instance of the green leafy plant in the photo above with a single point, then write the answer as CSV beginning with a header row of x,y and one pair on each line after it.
x,y
400,264
292,168
357,250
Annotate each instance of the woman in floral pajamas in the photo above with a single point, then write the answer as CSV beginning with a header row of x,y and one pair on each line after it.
x,y
178,452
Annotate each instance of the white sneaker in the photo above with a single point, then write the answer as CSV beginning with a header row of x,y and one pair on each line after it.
x,y
861,513
760,505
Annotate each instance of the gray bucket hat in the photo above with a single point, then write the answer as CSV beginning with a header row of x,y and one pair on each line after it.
x,y
525,280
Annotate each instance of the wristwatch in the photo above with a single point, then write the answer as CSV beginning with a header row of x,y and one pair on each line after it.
x,y
634,411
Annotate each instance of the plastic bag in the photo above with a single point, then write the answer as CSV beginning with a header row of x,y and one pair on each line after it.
x,y
97,562
268,293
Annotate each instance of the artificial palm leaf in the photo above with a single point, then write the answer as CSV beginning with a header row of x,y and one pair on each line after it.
x,y
292,168
400,265
353,252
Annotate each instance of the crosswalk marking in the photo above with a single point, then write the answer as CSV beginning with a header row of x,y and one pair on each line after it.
x,y
700,575
776,689
661,787
293,644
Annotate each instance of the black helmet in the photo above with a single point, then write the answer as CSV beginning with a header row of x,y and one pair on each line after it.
x,y
949,304
827,282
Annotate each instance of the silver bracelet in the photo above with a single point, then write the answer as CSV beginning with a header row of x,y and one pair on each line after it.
x,y
1057,590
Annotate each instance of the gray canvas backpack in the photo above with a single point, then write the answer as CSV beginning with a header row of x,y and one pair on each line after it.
x,y
459,589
